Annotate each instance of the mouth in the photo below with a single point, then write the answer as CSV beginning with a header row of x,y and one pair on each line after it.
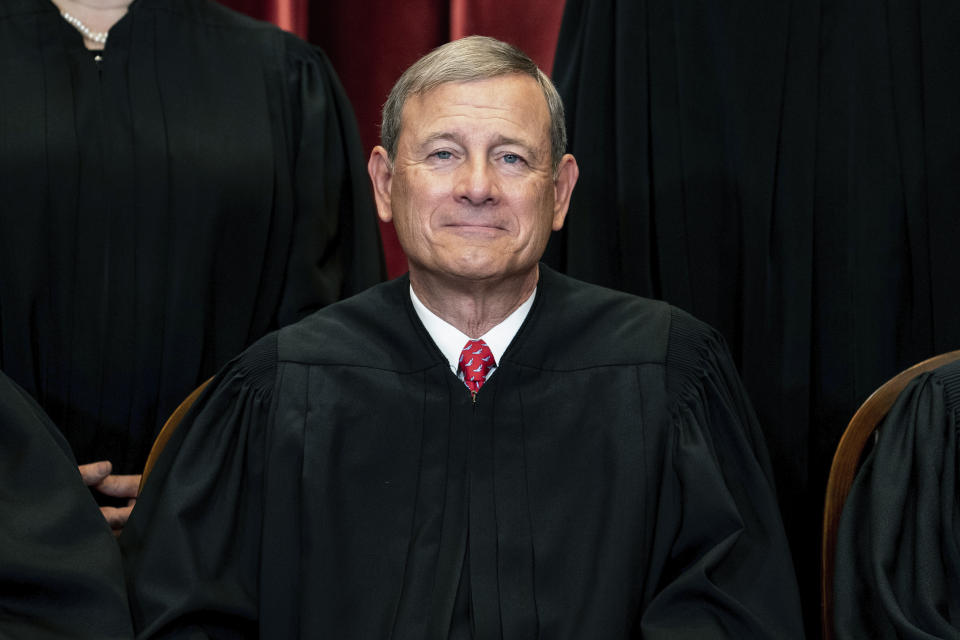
x,y
475,232
474,226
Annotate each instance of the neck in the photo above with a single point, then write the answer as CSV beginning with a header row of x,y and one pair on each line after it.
x,y
473,307
93,5
96,15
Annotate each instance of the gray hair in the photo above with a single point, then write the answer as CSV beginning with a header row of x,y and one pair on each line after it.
x,y
465,60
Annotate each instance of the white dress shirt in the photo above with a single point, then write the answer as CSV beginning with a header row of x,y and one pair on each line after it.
x,y
451,340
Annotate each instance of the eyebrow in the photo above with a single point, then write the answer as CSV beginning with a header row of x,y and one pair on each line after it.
x,y
531,152
441,136
500,141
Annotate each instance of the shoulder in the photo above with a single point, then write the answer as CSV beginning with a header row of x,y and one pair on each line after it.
x,y
12,8
574,324
375,328
696,353
937,388
948,375
255,368
208,14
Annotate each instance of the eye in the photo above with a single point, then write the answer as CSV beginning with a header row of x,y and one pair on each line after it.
x,y
442,155
513,159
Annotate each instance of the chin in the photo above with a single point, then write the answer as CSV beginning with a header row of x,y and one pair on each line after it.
x,y
484,271
475,274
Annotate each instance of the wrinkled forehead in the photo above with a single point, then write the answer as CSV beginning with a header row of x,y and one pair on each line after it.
x,y
513,101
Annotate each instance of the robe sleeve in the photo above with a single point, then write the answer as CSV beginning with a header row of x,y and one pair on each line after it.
x,y
60,572
336,244
191,548
898,547
726,570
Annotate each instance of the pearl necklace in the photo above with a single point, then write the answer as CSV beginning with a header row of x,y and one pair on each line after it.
x,y
100,37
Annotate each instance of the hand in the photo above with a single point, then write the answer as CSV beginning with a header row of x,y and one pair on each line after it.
x,y
97,475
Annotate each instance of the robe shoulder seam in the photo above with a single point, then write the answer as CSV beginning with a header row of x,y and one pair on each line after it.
x,y
355,365
599,365
692,354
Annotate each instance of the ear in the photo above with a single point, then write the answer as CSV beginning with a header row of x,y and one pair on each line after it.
x,y
381,175
567,174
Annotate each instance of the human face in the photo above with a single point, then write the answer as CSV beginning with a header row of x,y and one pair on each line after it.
x,y
471,192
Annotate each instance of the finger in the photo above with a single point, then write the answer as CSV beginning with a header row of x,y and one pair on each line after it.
x,y
94,472
116,517
120,486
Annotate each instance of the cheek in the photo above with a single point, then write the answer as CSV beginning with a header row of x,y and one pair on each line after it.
x,y
542,203
421,192
404,200
413,222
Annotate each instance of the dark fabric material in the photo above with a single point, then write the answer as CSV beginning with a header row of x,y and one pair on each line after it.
x,y
164,208
786,172
60,571
337,480
898,546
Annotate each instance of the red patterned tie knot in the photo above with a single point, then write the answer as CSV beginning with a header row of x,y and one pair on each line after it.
x,y
476,360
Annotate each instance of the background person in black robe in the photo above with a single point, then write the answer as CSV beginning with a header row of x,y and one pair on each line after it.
x,y
898,547
787,172
167,199
608,480
60,571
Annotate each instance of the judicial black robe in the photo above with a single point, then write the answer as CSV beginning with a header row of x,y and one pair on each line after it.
x,y
60,571
162,209
898,547
337,481
786,172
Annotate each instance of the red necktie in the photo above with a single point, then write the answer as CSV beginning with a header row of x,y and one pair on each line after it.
x,y
476,360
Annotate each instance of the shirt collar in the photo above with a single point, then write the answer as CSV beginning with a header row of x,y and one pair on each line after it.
x,y
450,340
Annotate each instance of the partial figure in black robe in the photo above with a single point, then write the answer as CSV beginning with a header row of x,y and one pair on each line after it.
x,y
336,480
898,546
165,206
60,571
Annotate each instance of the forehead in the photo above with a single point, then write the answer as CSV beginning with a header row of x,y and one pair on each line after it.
x,y
511,104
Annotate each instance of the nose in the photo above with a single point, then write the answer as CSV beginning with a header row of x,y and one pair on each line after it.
x,y
477,183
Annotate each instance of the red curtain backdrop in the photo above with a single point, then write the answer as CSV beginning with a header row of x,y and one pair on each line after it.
x,y
371,42
287,14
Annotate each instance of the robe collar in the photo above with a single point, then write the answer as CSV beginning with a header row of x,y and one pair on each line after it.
x,y
450,340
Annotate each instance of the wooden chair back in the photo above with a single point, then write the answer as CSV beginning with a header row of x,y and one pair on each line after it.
x,y
169,427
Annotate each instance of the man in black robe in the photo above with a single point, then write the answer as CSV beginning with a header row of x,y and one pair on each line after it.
x,y
483,448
